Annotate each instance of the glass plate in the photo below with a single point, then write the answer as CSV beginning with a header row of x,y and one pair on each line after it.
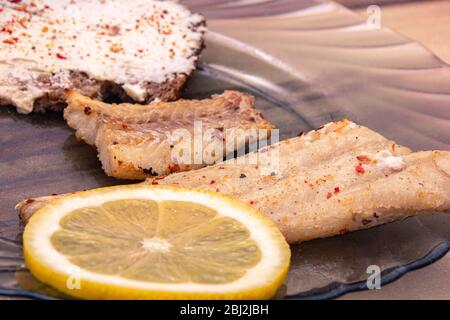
x,y
307,63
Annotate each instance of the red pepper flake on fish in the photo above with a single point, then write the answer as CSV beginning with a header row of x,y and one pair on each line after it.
x,y
13,40
359,169
60,56
362,158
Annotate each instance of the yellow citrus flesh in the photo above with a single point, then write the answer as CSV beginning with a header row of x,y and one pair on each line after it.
x,y
151,242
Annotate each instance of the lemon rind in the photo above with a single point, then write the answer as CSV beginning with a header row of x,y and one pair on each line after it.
x,y
100,290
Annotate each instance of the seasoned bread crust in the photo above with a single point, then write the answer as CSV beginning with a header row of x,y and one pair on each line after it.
x,y
108,50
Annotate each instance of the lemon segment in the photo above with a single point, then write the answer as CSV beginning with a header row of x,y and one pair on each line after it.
x,y
152,242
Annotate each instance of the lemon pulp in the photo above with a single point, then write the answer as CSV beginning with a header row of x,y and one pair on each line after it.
x,y
163,242
154,242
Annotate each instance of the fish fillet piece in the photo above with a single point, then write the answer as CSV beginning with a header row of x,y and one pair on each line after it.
x,y
137,141
340,178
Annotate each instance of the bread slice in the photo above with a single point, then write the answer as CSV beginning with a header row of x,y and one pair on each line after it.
x,y
137,51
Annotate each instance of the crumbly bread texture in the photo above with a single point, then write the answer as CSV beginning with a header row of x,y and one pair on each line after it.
x,y
107,49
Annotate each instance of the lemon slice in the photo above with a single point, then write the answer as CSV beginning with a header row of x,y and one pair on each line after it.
x,y
152,242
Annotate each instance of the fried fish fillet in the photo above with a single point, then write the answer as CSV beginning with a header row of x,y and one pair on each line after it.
x,y
340,178
137,141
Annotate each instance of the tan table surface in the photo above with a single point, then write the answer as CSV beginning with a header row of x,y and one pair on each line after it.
x,y
428,22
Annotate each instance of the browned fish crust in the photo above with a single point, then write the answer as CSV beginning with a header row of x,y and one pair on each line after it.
x,y
134,141
329,182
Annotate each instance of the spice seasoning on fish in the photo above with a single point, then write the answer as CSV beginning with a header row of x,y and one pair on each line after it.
x,y
362,158
173,167
60,56
359,168
150,171
87,110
